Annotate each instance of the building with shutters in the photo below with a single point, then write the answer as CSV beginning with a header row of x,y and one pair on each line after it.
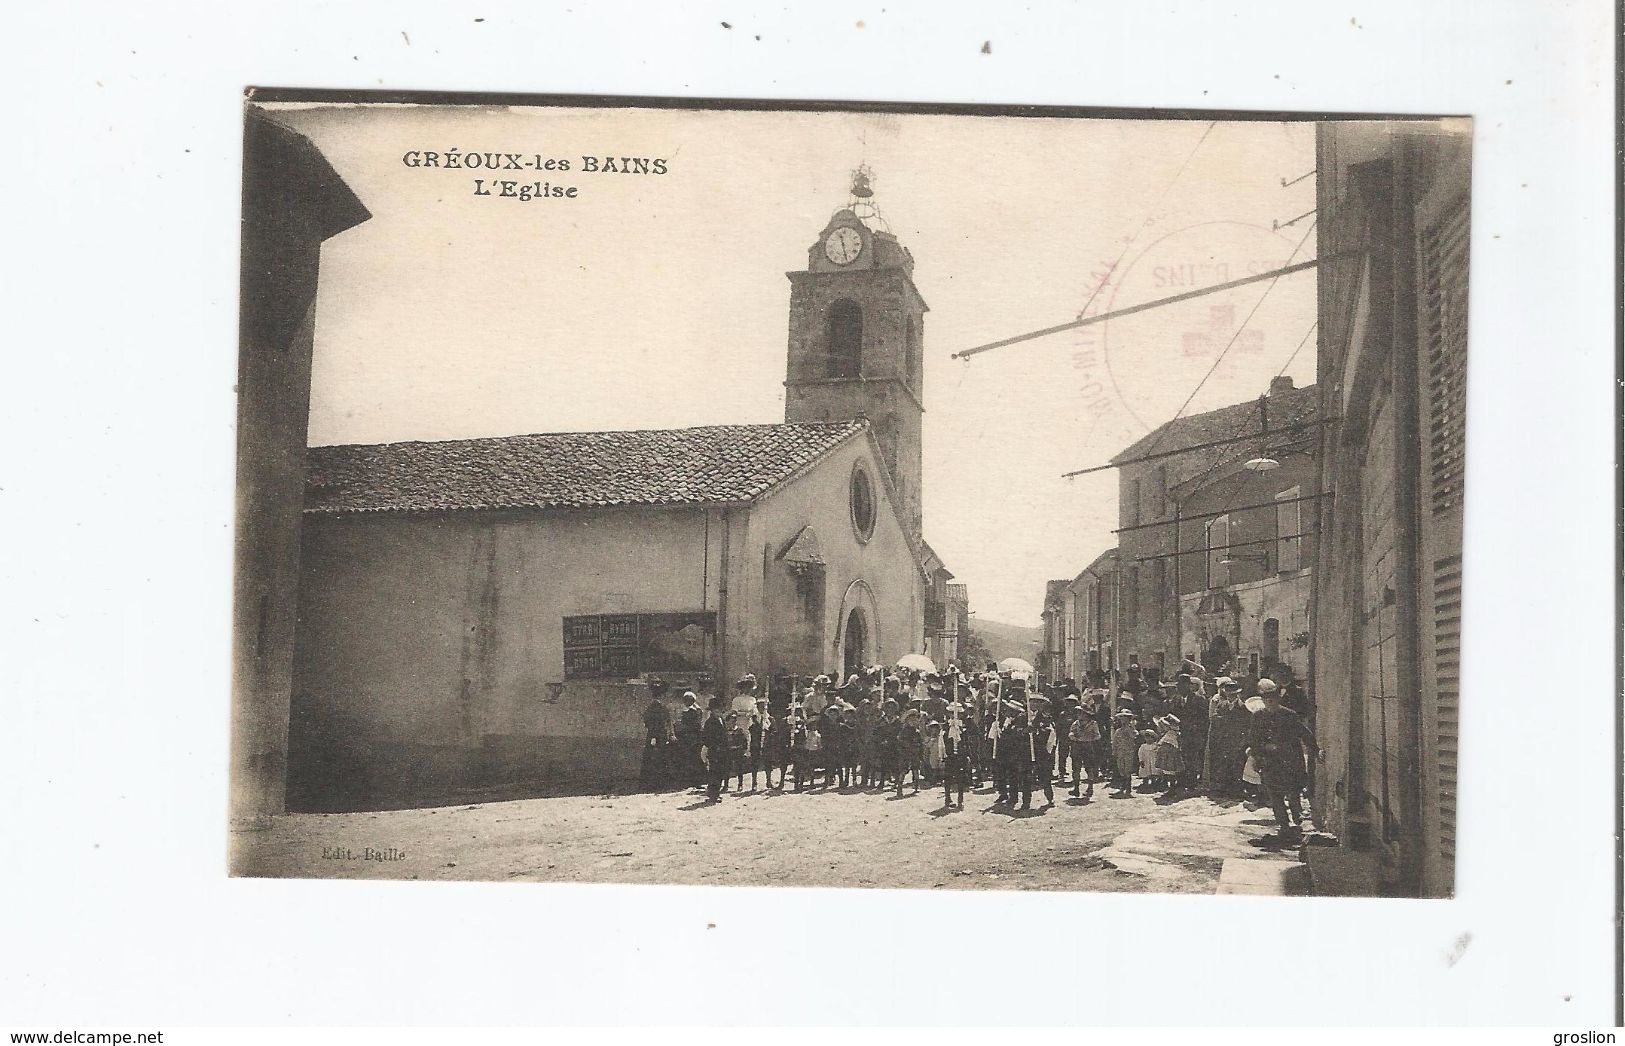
x,y
490,613
958,621
941,624
1091,601
1053,658
1216,555
1393,237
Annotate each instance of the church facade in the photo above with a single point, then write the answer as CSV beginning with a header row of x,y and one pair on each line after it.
x,y
490,613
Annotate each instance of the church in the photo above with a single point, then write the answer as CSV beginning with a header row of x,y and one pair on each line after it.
x,y
490,613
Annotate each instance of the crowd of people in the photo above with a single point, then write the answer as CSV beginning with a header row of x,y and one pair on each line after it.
x,y
1227,735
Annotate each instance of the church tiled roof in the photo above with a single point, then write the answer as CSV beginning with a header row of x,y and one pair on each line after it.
x,y
715,463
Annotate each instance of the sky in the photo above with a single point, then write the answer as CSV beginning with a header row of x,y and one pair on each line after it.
x,y
652,301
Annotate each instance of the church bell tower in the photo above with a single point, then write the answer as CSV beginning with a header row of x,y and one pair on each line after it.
x,y
857,326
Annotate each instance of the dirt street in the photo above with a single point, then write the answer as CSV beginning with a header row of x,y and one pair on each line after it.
x,y
818,838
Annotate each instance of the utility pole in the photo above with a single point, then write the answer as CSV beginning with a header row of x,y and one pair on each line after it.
x,y
1117,629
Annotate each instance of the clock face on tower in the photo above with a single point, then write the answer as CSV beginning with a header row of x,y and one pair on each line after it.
x,y
843,245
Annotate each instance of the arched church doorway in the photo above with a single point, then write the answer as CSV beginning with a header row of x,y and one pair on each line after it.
x,y
855,642
857,645
1217,654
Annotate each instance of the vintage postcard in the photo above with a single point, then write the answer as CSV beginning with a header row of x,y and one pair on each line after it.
x,y
854,495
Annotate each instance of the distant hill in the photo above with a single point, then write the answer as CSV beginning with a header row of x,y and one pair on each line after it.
x,y
1007,640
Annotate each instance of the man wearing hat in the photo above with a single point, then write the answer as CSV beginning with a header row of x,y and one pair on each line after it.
x,y
1009,734
714,739
1020,747
1041,744
757,731
815,699
1064,717
956,763
657,736
936,700
885,742
910,749
1226,749
690,723
775,745
1278,741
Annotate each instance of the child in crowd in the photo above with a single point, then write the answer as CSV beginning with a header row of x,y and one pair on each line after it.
x,y
1170,759
758,743
738,749
812,753
1125,748
776,736
933,753
1083,746
910,745
830,738
849,748
1252,785
1150,779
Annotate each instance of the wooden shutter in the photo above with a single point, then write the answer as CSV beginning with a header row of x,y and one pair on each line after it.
x,y
1288,521
1442,253
1218,547
1444,351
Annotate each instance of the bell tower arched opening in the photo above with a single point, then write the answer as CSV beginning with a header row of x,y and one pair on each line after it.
x,y
843,340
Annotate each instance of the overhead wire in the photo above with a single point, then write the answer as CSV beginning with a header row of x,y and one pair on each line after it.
x,y
1150,213
1247,482
1145,223
1164,428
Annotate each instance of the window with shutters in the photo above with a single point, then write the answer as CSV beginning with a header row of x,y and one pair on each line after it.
x,y
1288,521
1132,517
1218,550
910,350
1441,371
1444,290
1447,695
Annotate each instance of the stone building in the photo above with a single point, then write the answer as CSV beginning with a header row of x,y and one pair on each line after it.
x,y
1244,595
1214,555
1392,204
293,201
857,335
1051,662
490,612
941,633
958,621
1091,608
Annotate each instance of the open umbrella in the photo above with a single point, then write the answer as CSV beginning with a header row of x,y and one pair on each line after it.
x,y
1015,664
916,663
